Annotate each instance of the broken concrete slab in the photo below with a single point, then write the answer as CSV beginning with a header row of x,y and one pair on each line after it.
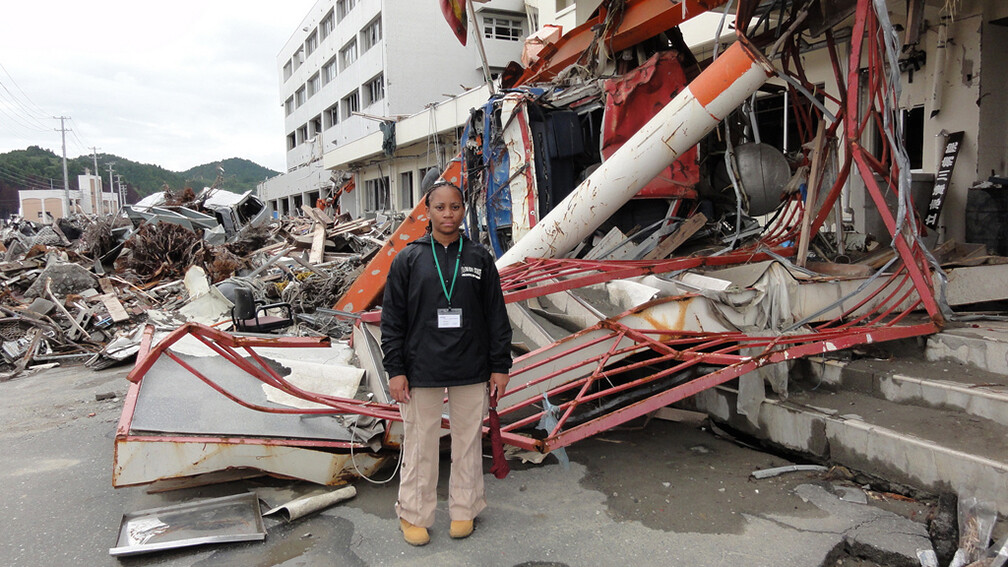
x,y
66,278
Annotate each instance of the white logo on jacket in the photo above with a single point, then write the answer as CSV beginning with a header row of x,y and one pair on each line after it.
x,y
469,272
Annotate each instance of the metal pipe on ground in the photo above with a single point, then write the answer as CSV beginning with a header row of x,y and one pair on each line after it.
x,y
683,122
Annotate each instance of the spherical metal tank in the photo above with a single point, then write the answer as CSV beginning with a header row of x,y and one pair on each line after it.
x,y
763,171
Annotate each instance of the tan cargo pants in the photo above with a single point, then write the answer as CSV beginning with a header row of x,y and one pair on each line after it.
x,y
467,406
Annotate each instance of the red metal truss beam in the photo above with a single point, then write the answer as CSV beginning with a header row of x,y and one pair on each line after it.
x,y
518,280
682,391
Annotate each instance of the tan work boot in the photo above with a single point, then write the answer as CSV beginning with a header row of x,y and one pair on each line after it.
x,y
414,535
461,528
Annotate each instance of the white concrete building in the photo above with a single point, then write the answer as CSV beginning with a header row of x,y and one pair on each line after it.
x,y
352,63
47,205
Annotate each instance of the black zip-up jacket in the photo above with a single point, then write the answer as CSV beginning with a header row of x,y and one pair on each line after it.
x,y
411,340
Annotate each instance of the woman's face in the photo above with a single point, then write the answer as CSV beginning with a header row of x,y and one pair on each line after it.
x,y
446,211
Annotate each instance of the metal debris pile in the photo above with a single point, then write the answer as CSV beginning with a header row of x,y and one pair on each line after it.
x,y
72,288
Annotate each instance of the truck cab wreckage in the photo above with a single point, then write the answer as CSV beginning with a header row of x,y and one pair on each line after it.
x,y
650,248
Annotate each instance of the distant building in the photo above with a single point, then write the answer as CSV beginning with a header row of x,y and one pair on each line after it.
x,y
352,64
47,205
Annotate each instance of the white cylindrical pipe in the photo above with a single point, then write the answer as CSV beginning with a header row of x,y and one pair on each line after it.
x,y
684,121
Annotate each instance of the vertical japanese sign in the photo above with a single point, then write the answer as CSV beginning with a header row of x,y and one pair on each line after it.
x,y
952,143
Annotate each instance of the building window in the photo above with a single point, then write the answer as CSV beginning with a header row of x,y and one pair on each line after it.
x,y
288,69
406,190
329,71
298,58
311,43
499,27
316,125
351,104
291,141
299,97
314,84
376,194
331,116
374,90
348,54
328,25
302,133
289,106
343,8
371,34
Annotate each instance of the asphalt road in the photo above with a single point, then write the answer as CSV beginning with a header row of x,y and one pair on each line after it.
x,y
661,493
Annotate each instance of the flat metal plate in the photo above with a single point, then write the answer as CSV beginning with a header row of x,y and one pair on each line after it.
x,y
215,520
174,401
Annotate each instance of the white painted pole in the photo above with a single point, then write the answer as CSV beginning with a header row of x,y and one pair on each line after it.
x,y
684,121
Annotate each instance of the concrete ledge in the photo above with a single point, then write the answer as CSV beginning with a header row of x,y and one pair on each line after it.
x,y
860,445
973,400
986,347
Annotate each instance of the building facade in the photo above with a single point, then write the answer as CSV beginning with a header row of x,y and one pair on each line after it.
x,y
352,64
47,205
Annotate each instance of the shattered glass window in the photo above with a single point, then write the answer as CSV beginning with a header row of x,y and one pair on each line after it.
x,y
351,104
328,25
329,71
371,34
348,54
311,43
374,90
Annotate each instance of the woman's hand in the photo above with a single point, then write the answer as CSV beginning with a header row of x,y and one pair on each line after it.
x,y
399,388
498,383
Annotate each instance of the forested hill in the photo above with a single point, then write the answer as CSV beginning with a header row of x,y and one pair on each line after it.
x,y
39,168
239,175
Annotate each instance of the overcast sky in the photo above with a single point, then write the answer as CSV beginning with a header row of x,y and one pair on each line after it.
x,y
176,84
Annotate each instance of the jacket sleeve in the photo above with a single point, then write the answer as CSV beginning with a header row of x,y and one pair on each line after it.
x,y
497,319
394,319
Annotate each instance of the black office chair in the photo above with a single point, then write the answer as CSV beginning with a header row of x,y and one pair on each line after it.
x,y
250,314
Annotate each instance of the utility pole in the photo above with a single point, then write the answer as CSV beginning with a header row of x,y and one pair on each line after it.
x,y
122,195
94,154
66,178
110,164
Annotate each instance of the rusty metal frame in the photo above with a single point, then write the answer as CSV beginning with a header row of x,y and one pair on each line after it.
x,y
229,347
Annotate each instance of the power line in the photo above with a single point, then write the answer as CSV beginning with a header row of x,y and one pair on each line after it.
x,y
73,130
18,121
22,176
27,184
38,112
16,105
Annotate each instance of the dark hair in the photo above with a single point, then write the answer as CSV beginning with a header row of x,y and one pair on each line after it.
x,y
440,183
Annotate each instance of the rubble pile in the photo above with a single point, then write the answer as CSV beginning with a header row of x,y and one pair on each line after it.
x,y
73,288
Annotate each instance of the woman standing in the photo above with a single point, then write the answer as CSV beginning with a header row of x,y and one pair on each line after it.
x,y
444,326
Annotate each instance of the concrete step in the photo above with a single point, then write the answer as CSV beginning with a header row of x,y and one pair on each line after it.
x,y
983,345
929,449
943,384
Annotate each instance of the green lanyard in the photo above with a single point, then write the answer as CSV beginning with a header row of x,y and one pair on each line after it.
x,y
447,292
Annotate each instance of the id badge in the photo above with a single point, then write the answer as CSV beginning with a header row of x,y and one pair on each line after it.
x,y
449,318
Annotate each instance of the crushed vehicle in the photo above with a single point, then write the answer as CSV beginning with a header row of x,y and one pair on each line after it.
x,y
221,215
